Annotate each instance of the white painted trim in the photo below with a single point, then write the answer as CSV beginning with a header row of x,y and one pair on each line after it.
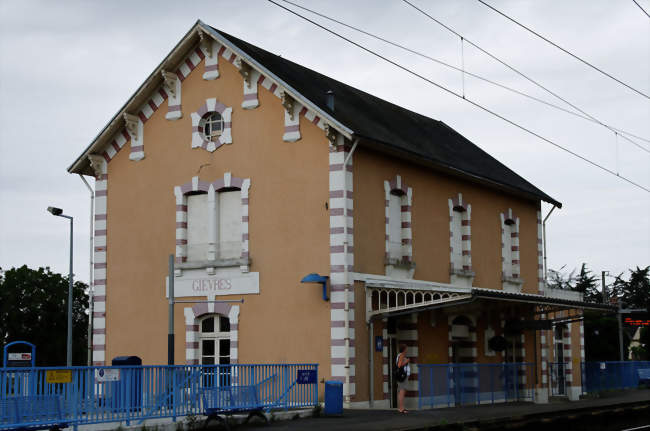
x,y
345,131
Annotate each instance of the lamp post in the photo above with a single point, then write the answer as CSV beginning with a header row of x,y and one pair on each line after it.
x,y
59,213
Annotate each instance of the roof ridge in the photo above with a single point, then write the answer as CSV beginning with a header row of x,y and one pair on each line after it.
x,y
433,139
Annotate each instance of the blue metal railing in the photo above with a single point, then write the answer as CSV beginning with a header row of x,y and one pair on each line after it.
x,y
602,376
135,393
463,384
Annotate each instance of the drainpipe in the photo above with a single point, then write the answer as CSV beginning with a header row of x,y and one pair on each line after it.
x,y
91,289
346,274
544,241
371,371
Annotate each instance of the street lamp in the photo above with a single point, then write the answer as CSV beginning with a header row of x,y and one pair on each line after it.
x,y
59,213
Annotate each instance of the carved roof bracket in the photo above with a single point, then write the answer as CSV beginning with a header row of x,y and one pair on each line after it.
x,y
131,123
330,134
97,164
289,103
169,82
205,43
245,70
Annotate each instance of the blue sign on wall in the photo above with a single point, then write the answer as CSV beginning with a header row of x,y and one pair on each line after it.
x,y
306,377
379,343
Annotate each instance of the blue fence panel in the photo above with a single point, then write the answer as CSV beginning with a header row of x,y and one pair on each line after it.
x,y
609,375
135,393
446,385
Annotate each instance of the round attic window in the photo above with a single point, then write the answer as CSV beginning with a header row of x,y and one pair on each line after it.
x,y
212,125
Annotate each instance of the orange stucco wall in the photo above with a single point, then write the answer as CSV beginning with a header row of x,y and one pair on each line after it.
x,y
288,228
430,222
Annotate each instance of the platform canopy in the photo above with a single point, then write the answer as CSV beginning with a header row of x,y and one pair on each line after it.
x,y
387,298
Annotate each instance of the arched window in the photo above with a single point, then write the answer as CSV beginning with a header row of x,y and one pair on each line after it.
x,y
214,339
399,236
395,225
510,266
197,226
460,242
212,222
229,224
456,237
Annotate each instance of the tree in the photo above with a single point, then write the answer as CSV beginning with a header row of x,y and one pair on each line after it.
x,y
33,307
601,329
587,284
634,293
558,280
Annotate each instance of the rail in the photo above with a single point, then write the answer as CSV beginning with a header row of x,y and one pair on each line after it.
x,y
446,385
128,394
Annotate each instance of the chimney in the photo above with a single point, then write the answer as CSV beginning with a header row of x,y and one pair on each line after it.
x,y
329,97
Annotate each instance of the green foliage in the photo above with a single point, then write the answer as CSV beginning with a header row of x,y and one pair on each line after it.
x,y
33,307
635,292
557,279
601,330
587,284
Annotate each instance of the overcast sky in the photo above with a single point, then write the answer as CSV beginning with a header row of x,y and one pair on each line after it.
x,y
66,67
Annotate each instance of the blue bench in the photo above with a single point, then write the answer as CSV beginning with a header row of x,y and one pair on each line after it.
x,y
227,400
32,413
644,376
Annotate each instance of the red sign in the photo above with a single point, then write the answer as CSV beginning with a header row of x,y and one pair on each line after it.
x,y
19,356
631,321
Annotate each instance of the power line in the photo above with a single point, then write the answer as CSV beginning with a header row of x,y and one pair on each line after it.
x,y
518,72
565,50
466,72
511,122
641,8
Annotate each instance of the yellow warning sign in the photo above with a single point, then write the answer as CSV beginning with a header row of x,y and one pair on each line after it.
x,y
58,376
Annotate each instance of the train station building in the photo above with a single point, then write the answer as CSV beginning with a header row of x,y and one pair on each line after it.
x,y
254,172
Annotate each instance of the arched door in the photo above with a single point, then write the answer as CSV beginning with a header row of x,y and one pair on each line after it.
x,y
214,345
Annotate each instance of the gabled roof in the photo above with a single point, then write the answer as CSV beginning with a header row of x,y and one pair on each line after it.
x,y
383,126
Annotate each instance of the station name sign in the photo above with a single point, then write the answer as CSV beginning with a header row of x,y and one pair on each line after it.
x,y
19,360
196,282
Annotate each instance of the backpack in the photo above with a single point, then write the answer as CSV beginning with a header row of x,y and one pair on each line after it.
x,y
400,373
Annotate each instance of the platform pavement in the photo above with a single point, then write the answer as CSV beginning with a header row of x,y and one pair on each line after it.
x,y
362,420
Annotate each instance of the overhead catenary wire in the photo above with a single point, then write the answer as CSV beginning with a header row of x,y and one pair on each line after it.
x,y
530,30
464,72
517,71
644,11
511,122
462,62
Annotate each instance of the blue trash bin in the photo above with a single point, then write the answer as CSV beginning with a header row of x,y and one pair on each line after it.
x,y
127,392
333,397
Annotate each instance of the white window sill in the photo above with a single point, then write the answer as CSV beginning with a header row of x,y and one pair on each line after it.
x,y
398,262
398,268
461,277
211,265
512,284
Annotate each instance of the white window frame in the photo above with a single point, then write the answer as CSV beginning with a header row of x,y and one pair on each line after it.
x,y
207,124
401,266
228,183
510,263
460,242
215,336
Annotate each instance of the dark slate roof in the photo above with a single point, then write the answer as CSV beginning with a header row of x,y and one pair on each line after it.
x,y
391,126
